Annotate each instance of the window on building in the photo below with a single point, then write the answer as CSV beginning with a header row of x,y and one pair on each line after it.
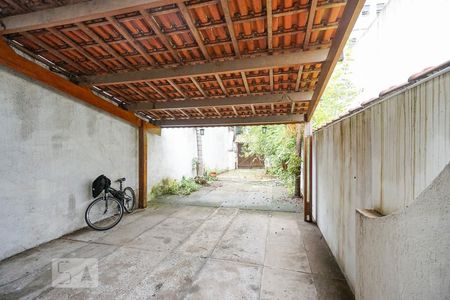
x,y
366,10
380,7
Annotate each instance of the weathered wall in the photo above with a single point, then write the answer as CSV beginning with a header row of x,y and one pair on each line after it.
x,y
170,155
51,148
406,255
382,158
394,47
218,152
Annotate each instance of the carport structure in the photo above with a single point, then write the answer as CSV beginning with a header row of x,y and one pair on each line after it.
x,y
182,63
191,63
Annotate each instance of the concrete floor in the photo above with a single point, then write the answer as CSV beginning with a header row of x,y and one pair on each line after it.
x,y
242,188
188,252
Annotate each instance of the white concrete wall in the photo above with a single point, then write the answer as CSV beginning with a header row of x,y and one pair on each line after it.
x,y
51,148
382,158
407,36
406,255
170,155
218,152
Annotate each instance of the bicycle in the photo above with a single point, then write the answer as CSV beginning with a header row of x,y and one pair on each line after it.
x,y
106,211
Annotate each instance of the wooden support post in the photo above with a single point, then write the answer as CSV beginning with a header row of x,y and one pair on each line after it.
x,y
142,203
298,148
307,171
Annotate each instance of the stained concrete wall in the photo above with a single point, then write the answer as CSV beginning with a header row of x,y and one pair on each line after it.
x,y
218,150
406,255
396,44
51,148
171,155
381,158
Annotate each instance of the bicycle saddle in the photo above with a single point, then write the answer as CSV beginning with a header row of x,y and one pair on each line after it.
x,y
121,179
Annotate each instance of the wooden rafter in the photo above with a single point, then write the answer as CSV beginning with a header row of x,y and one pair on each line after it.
x,y
142,51
244,79
104,45
72,44
199,88
299,78
187,17
220,82
177,88
163,38
309,26
269,25
226,101
214,68
271,79
229,22
235,121
75,13
62,57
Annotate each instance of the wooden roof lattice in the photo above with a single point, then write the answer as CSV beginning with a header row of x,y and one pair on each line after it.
x,y
191,63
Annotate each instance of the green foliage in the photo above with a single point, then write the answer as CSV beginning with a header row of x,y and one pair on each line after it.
x,y
278,146
168,186
187,186
338,95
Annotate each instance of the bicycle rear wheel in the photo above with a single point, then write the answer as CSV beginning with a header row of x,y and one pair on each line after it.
x,y
104,213
129,199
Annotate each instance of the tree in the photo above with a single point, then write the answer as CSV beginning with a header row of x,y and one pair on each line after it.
x,y
277,145
338,95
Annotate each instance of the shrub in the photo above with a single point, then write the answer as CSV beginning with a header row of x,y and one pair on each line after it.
x,y
169,186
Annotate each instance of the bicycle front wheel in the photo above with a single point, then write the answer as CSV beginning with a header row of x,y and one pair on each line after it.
x,y
104,213
129,199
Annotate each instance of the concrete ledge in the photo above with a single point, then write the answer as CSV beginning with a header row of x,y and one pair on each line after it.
x,y
369,213
407,253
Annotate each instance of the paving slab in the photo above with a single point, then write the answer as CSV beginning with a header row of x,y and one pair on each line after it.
x,y
332,289
129,227
245,239
284,247
119,273
39,281
244,189
287,285
165,236
177,252
226,280
320,258
203,241
171,279
34,259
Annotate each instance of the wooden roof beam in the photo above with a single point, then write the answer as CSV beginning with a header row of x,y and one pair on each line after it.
x,y
141,49
215,102
229,22
65,59
75,13
309,26
89,32
235,121
162,37
269,25
212,68
187,17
